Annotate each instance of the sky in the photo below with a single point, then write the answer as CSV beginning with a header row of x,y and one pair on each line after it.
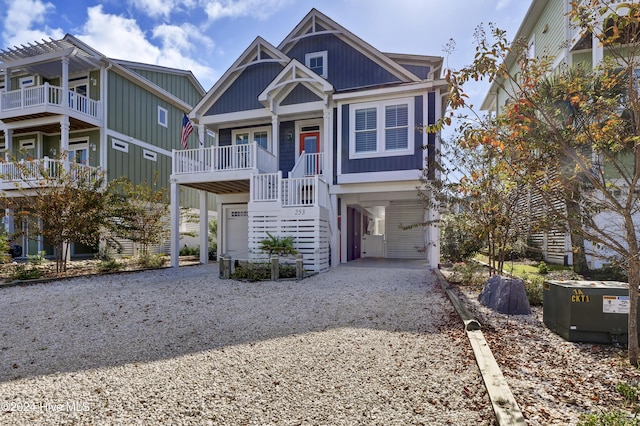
x,y
207,36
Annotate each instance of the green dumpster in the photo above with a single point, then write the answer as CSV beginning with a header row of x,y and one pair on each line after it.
x,y
587,311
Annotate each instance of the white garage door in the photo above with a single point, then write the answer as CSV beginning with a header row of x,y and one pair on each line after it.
x,y
404,244
237,231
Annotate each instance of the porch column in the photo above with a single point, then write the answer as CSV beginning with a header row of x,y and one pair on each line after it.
x,y
65,82
327,146
8,144
7,78
175,225
201,134
597,51
204,227
335,238
9,225
275,138
344,230
64,141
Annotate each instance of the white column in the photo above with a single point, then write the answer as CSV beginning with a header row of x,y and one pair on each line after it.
x,y
65,82
335,238
343,233
275,138
204,227
327,146
64,141
175,225
201,134
9,225
8,142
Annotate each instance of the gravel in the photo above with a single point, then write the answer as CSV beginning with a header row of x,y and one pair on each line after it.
x,y
349,346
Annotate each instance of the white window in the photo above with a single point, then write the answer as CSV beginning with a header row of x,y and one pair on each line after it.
x,y
260,135
381,128
79,152
162,116
317,62
150,155
27,144
27,81
119,145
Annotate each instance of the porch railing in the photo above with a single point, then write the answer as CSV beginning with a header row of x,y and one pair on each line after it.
x,y
308,165
40,169
46,94
223,158
290,192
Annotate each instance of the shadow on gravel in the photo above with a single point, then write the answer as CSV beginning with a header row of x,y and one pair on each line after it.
x,y
95,322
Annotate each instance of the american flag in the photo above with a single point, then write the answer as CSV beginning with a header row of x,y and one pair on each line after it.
x,y
187,128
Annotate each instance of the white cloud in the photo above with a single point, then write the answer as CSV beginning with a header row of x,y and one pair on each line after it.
x,y
21,18
161,8
260,9
122,38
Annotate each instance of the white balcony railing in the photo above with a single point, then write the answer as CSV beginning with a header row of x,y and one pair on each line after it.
x,y
290,192
46,95
224,158
308,165
33,172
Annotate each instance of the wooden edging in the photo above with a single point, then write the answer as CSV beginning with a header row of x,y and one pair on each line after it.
x,y
504,404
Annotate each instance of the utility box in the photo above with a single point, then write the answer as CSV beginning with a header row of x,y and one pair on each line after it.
x,y
587,311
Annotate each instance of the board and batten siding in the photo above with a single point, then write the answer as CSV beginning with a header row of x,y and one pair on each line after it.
x,y
383,163
401,243
348,68
133,111
177,84
134,166
243,93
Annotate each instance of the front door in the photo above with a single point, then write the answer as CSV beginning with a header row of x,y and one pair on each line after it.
x,y
310,145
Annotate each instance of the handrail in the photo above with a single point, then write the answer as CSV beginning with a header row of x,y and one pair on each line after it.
x,y
47,94
249,156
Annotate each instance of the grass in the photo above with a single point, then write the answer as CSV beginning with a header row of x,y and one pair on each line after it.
x,y
521,270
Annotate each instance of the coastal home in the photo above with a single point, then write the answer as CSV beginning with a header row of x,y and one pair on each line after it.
x,y
549,33
320,139
61,100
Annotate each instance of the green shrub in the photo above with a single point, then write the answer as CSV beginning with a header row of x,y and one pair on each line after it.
x,y
213,250
24,272
109,265
533,288
189,251
281,246
612,418
459,242
36,259
150,260
543,269
252,271
609,273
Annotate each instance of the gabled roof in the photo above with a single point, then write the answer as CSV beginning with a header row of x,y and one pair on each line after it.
x,y
258,52
316,23
293,74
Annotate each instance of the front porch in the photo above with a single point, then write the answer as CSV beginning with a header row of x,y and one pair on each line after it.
x,y
26,174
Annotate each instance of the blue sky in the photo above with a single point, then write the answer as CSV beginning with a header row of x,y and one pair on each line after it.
x,y
207,36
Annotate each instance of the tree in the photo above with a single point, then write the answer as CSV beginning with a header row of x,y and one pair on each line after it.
x,y
62,203
139,213
572,134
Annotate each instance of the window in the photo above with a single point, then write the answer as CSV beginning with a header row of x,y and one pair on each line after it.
x,y
27,144
162,116
317,62
261,135
79,152
27,81
119,145
149,155
381,129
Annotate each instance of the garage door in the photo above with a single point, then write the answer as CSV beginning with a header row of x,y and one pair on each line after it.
x,y
404,244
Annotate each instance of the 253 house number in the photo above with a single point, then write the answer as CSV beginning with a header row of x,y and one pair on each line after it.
x,y
299,212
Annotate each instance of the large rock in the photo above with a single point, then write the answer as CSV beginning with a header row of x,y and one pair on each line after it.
x,y
505,295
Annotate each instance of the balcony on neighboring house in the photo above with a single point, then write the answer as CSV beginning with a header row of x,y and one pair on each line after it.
x,y
39,173
45,99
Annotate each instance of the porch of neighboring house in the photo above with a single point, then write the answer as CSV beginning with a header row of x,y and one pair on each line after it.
x,y
297,205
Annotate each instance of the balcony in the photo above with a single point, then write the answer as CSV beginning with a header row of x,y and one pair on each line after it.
x,y
26,174
308,165
204,167
47,98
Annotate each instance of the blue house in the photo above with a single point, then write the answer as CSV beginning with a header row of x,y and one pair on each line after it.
x,y
319,138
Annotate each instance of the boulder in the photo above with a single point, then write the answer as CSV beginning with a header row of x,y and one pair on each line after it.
x,y
505,295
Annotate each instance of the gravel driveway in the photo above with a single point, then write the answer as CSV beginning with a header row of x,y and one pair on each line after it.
x,y
354,345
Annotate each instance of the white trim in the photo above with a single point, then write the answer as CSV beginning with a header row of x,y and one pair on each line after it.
x,y
251,131
308,123
28,144
411,89
149,155
129,139
119,145
391,176
325,65
161,112
381,150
